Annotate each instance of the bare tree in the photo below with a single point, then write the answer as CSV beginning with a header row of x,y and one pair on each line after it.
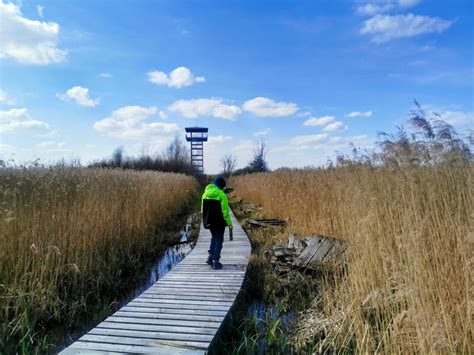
x,y
176,152
258,162
117,157
228,163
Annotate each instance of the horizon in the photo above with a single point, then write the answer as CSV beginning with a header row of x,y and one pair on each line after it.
x,y
80,78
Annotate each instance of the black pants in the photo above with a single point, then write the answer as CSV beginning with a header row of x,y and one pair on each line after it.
x,y
216,243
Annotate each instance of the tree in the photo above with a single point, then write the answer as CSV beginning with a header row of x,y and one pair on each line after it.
x,y
228,163
258,162
176,152
117,157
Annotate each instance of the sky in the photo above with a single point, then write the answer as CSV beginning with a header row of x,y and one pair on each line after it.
x,y
80,78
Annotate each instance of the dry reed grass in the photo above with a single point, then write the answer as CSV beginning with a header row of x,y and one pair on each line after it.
x,y
408,284
73,239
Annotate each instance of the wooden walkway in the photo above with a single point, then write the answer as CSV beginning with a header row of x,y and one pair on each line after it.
x,y
182,312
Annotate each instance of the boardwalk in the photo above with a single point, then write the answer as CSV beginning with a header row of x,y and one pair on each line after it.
x,y
182,312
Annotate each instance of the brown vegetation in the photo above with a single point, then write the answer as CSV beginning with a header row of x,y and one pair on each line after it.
x,y
72,240
408,283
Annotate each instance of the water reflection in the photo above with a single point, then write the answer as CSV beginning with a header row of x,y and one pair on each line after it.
x,y
171,257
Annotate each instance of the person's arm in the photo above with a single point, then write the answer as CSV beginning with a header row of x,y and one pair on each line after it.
x,y
225,209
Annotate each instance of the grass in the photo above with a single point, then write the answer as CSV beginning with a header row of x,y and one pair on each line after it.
x,y
408,282
74,241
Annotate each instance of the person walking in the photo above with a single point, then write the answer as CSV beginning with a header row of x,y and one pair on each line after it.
x,y
215,217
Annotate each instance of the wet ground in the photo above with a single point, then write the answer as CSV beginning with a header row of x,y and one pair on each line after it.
x,y
172,256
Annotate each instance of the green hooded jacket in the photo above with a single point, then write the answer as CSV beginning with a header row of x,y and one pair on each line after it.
x,y
212,192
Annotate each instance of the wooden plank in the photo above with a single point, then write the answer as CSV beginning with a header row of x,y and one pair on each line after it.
x,y
176,311
309,251
189,295
81,347
325,247
194,292
144,342
157,313
157,328
157,303
147,334
336,252
150,315
167,322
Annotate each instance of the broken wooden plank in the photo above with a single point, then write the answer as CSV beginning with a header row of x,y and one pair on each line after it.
x,y
309,251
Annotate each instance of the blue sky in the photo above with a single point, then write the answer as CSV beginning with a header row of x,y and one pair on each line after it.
x,y
79,78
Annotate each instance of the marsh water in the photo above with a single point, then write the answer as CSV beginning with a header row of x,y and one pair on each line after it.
x,y
171,257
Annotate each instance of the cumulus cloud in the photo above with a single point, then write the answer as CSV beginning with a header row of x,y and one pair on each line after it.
x,y
218,139
377,7
6,99
40,10
105,75
18,119
384,28
129,122
178,78
205,107
335,126
6,149
308,139
355,114
28,41
262,133
321,121
163,115
80,95
51,145
264,107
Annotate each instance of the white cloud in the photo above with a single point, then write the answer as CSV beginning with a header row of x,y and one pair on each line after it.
x,y
335,126
219,139
49,134
264,107
355,114
308,139
205,107
321,121
6,149
40,10
178,78
80,95
371,9
408,3
6,99
18,119
304,114
28,41
244,150
377,7
384,28
129,123
105,75
51,145
163,115
458,118
262,133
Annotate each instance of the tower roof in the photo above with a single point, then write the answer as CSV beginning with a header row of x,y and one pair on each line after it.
x,y
197,129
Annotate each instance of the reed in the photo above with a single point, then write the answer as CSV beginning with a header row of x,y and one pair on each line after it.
x,y
408,282
72,240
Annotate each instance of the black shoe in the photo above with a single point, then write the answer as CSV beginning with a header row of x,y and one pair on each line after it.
x,y
217,265
209,261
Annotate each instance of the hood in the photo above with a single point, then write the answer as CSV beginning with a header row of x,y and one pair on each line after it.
x,y
212,191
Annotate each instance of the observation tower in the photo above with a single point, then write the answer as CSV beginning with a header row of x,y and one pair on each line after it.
x,y
197,136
